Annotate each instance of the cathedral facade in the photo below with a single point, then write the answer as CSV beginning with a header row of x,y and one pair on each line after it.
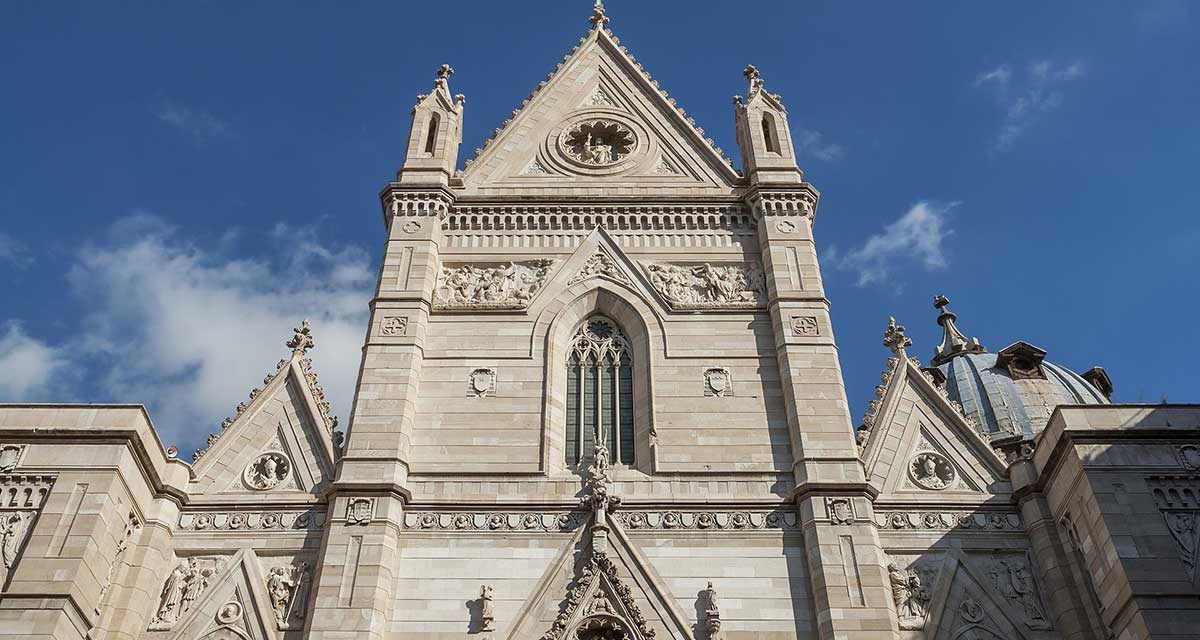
x,y
600,398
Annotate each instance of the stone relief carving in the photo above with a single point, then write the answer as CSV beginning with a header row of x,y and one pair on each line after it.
x,y
930,470
718,382
1189,457
785,226
708,520
1011,579
841,510
941,520
288,586
487,609
10,456
709,286
599,142
14,525
1182,525
910,596
21,498
267,471
712,613
599,98
805,326
132,526
182,588
508,286
482,382
495,521
230,613
604,624
410,227
392,326
252,520
360,511
535,168
600,264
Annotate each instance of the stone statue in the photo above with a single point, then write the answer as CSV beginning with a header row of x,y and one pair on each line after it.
x,y
712,612
172,594
487,611
596,152
281,587
909,596
196,582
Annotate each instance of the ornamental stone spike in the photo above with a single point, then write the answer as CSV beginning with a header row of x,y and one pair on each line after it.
x,y
954,343
302,339
894,338
598,18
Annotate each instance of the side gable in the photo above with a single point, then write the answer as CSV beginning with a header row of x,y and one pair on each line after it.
x,y
599,82
280,444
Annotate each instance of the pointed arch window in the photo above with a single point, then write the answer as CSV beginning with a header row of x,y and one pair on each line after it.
x,y
432,131
770,136
599,393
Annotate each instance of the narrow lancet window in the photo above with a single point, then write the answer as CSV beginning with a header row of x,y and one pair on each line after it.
x,y
770,137
599,393
432,131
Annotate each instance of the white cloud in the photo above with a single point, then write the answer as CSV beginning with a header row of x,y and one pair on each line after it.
x,y
28,366
14,252
200,124
915,236
1026,99
812,143
189,331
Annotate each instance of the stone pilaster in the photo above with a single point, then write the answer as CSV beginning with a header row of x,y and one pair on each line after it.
x,y
845,558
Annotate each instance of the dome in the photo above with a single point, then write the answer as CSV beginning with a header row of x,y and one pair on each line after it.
x,y
1012,392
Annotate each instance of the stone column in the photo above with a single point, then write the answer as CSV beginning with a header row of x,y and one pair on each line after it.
x,y
845,559
353,595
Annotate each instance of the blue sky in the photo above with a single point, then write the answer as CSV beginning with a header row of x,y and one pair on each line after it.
x,y
181,182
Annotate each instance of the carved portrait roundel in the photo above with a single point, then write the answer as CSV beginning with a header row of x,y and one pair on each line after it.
x,y
267,471
597,142
930,470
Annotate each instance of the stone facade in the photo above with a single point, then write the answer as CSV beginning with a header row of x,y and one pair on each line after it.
x,y
699,478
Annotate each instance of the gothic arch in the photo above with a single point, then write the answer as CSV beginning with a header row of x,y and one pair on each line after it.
x,y
553,332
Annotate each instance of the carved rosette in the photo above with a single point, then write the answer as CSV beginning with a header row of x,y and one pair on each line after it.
x,y
709,286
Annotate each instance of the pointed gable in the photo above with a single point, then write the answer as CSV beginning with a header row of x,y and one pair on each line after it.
x,y
279,443
599,90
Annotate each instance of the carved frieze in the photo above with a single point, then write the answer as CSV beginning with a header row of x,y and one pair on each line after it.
x,y
943,520
186,583
495,521
251,520
709,285
708,520
505,286
1189,457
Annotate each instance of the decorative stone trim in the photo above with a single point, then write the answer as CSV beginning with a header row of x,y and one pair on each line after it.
x,y
252,521
942,520
419,203
805,326
733,217
706,286
267,471
21,498
784,203
708,520
556,521
392,326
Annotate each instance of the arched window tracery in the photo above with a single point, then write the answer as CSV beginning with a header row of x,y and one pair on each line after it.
x,y
599,393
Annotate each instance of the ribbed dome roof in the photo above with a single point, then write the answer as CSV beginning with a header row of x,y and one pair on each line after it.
x,y
1004,406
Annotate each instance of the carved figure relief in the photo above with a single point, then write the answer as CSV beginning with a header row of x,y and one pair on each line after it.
x,y
287,587
132,526
1011,578
805,326
841,511
600,264
718,382
482,383
13,527
709,286
360,510
1189,457
1182,525
393,326
267,471
487,609
910,596
180,590
598,143
10,456
508,286
712,613
930,470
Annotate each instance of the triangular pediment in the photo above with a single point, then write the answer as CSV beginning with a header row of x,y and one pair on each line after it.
x,y
601,91
234,604
597,260
920,445
279,444
985,595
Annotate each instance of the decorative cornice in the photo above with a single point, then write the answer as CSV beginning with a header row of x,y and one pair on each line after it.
x,y
399,200
798,201
733,217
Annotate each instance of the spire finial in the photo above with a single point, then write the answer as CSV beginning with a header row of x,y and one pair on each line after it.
x,y
954,343
443,78
598,18
302,339
894,338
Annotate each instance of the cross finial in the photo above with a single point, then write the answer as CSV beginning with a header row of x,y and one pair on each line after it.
x,y
302,339
444,72
751,73
954,342
598,18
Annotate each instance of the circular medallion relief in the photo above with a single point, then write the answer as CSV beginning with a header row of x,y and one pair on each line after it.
x,y
267,471
597,142
229,613
931,471
1189,457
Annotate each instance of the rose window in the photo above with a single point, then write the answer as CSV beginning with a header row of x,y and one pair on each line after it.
x,y
598,142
